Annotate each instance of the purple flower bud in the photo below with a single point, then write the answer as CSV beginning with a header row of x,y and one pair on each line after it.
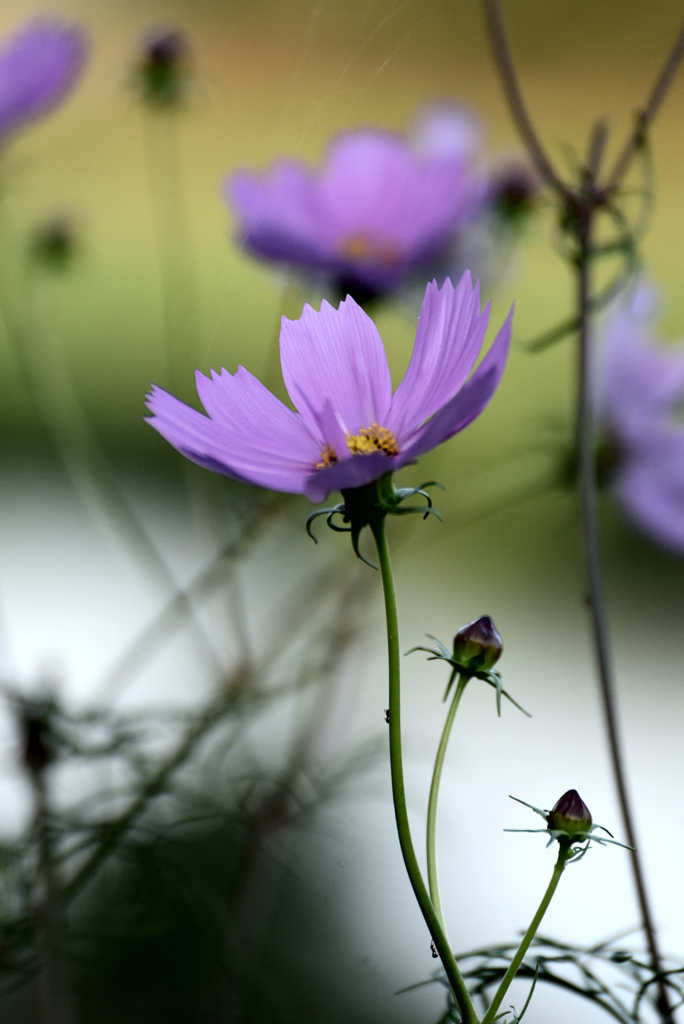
x,y
570,814
478,644
39,64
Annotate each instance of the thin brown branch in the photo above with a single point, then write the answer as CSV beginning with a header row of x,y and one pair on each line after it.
x,y
646,117
597,148
596,597
511,87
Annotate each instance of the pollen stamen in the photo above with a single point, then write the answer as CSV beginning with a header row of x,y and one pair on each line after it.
x,y
372,439
328,456
363,249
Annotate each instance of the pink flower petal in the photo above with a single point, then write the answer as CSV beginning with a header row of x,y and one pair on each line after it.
x,y
251,434
336,356
470,401
450,333
650,488
39,65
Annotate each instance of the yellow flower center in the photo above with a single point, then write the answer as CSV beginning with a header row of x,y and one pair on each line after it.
x,y
368,439
372,439
362,249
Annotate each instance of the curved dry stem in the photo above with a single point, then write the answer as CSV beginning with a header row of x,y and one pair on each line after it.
x,y
648,114
509,79
595,592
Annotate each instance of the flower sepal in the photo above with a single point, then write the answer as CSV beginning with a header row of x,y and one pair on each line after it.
x,y
569,823
369,505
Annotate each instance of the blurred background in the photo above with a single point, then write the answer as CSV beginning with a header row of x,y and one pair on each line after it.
x,y
321,924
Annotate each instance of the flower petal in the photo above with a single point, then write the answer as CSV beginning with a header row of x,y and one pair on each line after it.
x,y
336,356
341,476
374,185
470,401
251,435
38,66
640,379
650,489
448,129
450,333
278,213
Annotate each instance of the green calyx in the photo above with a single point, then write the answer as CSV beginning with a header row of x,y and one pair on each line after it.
x,y
369,505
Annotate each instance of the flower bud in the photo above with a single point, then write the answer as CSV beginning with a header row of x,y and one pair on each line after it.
x,y
570,814
162,74
514,191
37,741
54,244
478,644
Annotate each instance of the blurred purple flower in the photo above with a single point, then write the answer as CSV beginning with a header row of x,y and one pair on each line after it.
x,y
39,64
448,129
485,245
379,208
349,429
640,397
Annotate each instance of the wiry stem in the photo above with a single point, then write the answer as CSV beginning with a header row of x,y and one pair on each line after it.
x,y
54,995
428,911
509,80
595,591
180,305
647,115
490,1016
431,843
582,205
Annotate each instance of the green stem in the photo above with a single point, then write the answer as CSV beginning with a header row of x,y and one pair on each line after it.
x,y
180,305
433,879
563,853
432,920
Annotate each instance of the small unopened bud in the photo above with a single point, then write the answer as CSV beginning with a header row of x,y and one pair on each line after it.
x,y
478,644
570,814
162,74
54,244
514,191
37,743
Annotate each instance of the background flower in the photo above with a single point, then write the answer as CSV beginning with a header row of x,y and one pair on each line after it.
x,y
639,404
485,244
377,210
349,429
39,64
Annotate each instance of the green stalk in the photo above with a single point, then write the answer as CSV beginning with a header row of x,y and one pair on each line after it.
x,y
432,920
433,879
563,853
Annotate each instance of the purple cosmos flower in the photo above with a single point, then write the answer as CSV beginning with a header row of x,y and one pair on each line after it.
x,y
378,209
349,429
38,66
639,405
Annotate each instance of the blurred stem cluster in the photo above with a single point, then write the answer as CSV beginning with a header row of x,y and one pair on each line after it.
x,y
583,204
